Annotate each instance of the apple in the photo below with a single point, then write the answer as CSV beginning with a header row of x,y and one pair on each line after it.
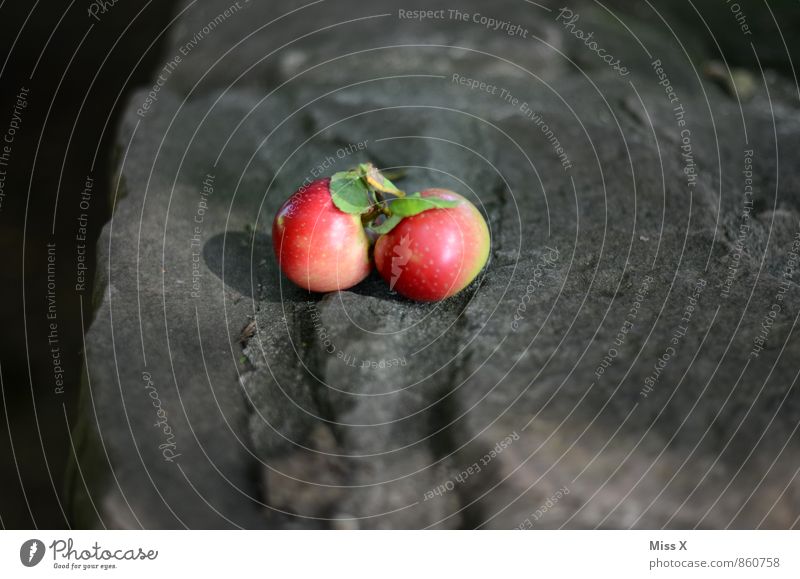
x,y
318,246
436,244
430,245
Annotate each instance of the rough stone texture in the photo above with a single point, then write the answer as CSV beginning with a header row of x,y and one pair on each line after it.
x,y
359,409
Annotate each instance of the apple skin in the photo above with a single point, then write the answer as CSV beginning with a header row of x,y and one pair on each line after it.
x,y
319,247
437,253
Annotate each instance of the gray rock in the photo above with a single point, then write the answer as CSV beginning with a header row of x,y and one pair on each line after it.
x,y
585,379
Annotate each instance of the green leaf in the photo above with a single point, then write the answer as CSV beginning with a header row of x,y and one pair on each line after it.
x,y
377,180
388,224
414,204
349,193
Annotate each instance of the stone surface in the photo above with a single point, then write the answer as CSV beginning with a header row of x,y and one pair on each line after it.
x,y
492,409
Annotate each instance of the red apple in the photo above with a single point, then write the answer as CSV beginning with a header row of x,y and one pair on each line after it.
x,y
434,254
319,247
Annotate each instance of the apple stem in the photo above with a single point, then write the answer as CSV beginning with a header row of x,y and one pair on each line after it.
x,y
377,210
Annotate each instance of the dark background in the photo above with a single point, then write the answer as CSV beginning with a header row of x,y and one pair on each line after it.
x,y
79,79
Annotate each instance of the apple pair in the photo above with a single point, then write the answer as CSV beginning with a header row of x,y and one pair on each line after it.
x,y
430,245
